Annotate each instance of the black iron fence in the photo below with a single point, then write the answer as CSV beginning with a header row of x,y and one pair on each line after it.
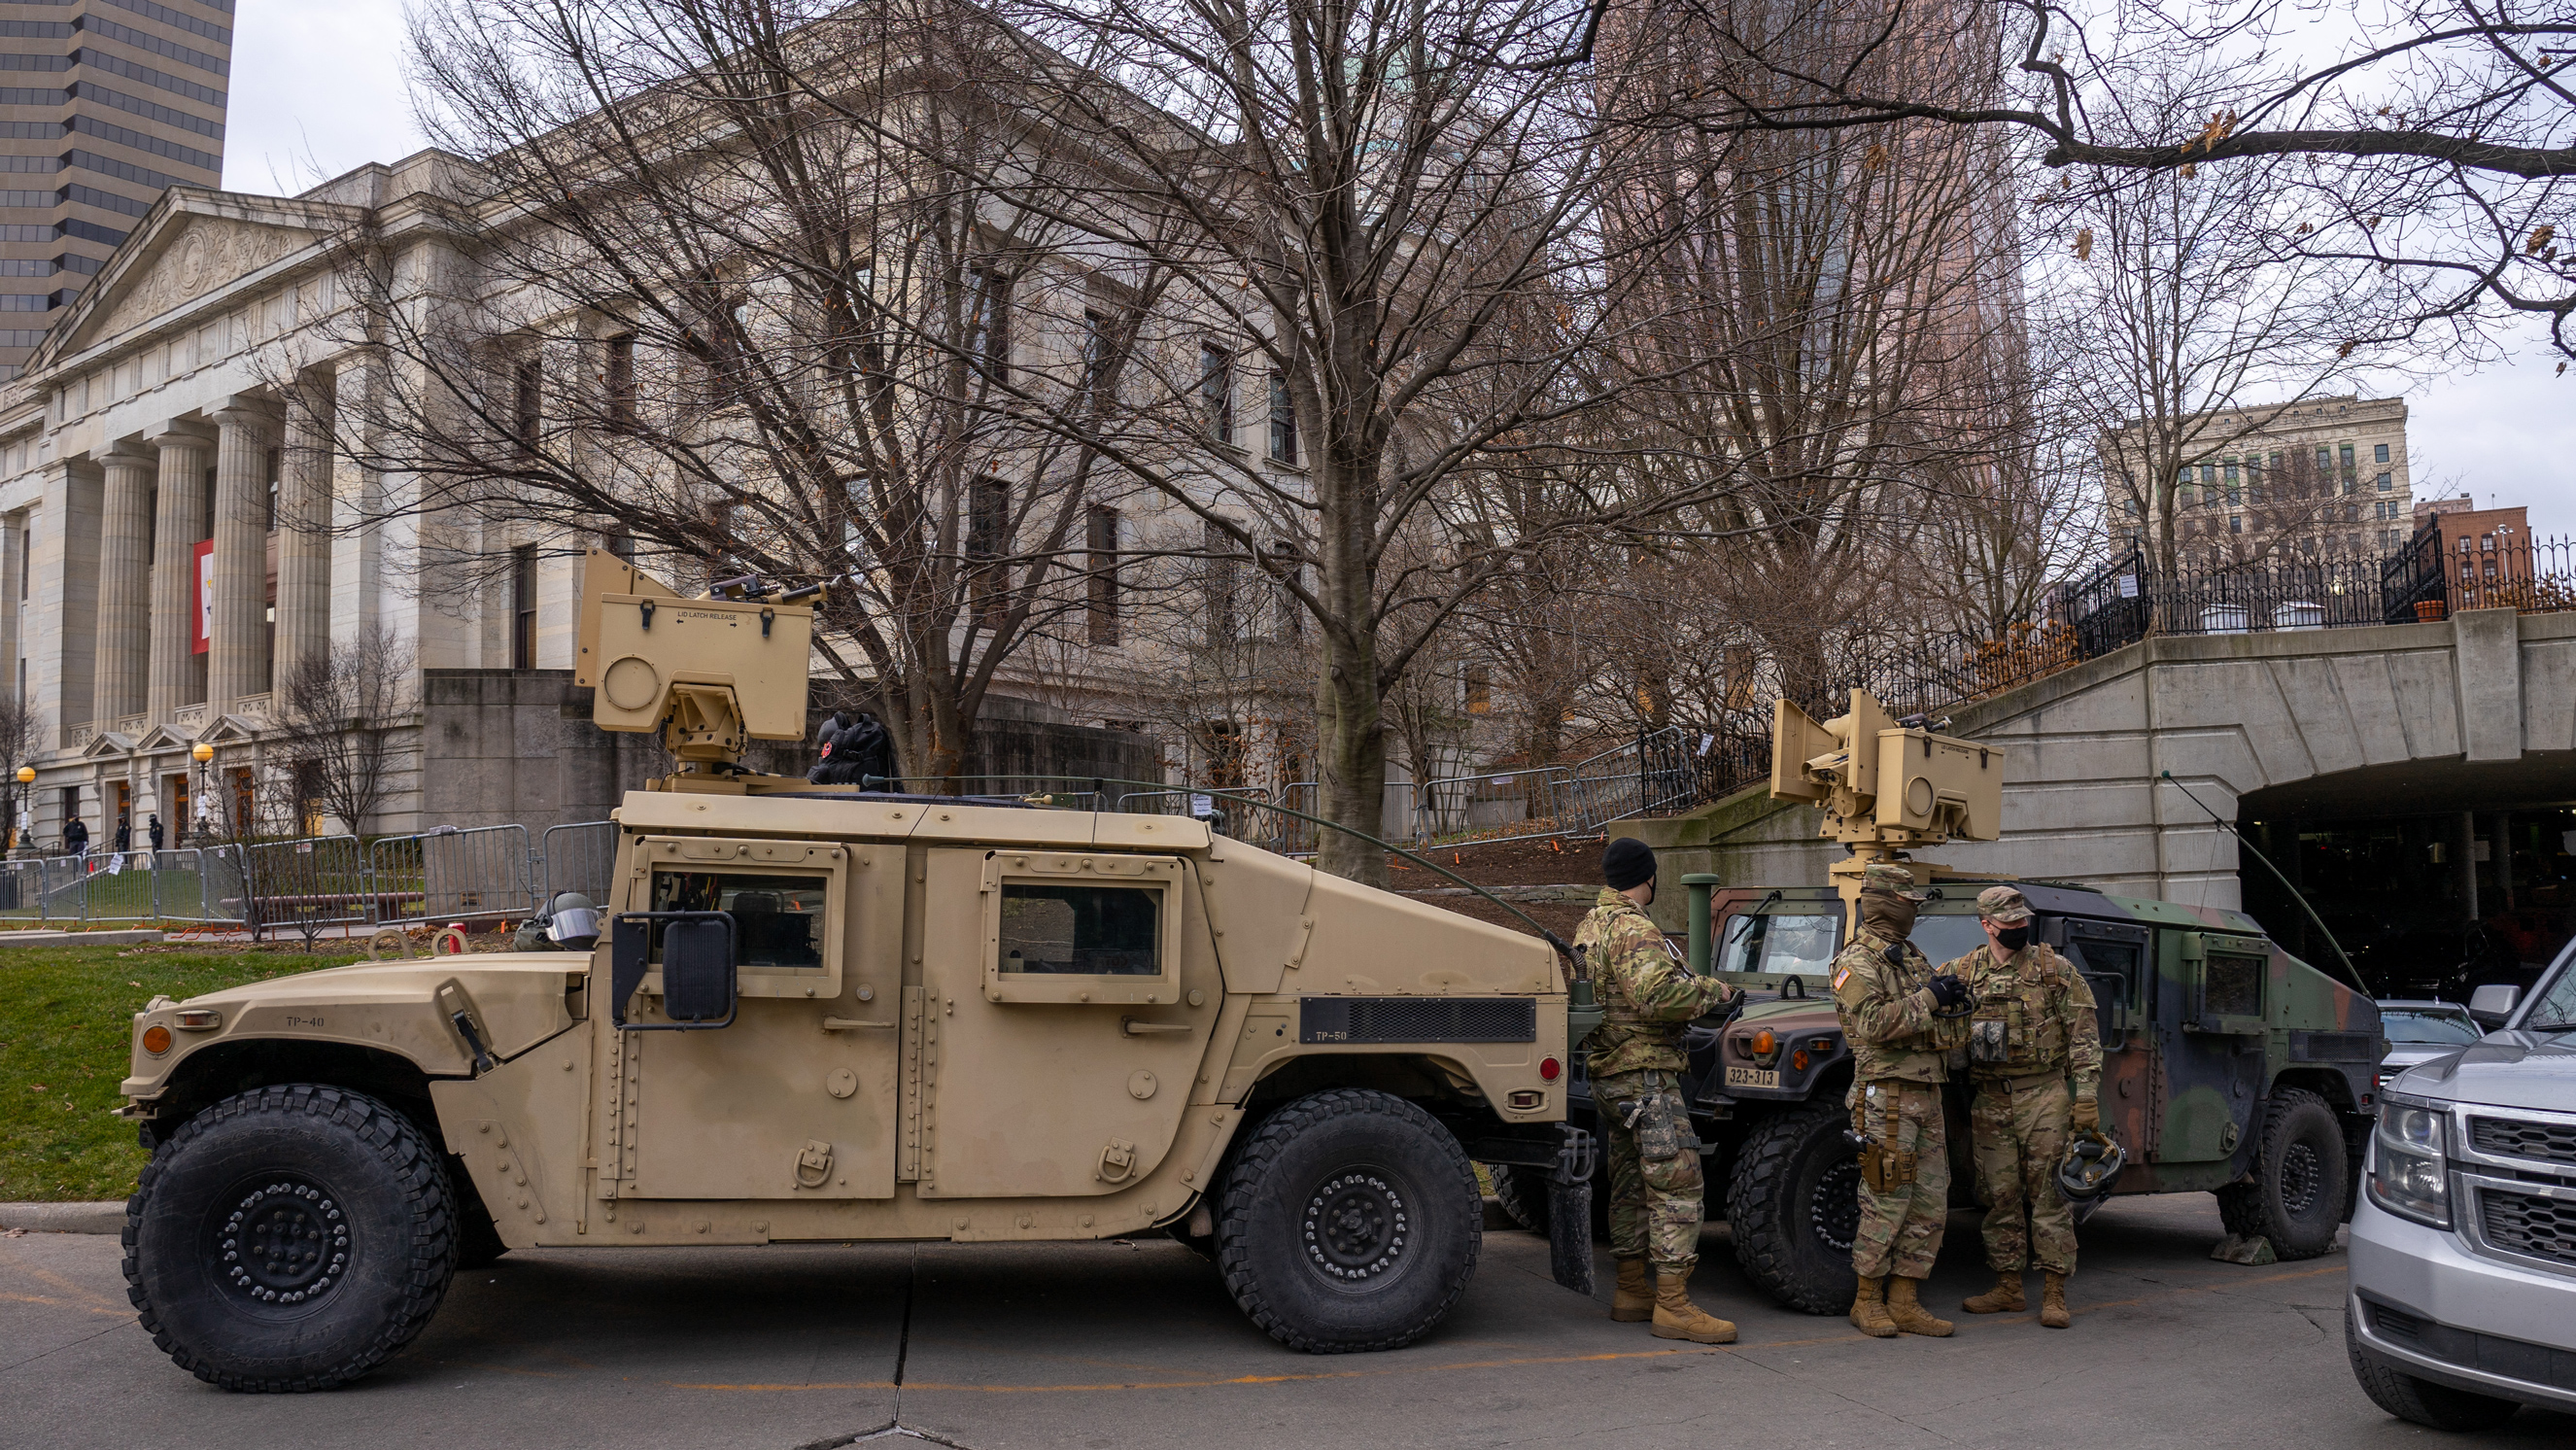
x,y
2426,579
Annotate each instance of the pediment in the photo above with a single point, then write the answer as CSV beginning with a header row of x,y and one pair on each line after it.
x,y
191,245
108,745
230,730
160,738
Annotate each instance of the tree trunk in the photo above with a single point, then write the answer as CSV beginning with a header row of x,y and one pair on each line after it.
x,y
1349,718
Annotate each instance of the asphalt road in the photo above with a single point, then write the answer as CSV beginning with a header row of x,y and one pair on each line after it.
x,y
1137,1345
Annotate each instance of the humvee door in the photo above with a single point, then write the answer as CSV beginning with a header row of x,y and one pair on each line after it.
x,y
1067,999
796,1096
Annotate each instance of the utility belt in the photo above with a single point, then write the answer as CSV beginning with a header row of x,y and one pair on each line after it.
x,y
2021,1082
1884,1166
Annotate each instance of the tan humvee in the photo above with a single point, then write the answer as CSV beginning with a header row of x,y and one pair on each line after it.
x,y
822,1014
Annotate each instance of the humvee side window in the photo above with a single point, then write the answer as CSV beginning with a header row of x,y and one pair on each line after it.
x,y
1092,931
778,918
1783,942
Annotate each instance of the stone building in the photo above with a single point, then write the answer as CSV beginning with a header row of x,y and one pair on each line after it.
x,y
174,539
2321,477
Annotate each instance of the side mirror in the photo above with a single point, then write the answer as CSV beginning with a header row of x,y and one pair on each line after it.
x,y
698,988
2491,1004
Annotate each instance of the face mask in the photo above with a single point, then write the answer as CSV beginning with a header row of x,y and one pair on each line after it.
x,y
1887,914
2013,938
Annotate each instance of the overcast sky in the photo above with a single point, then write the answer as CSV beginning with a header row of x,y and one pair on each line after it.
x,y
318,90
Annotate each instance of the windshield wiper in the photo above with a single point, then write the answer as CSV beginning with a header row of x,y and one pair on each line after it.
x,y
2549,1027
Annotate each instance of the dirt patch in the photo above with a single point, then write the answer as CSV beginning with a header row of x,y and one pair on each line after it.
x,y
1512,863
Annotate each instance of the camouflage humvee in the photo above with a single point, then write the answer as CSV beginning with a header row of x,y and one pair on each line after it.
x,y
2228,1066
826,1014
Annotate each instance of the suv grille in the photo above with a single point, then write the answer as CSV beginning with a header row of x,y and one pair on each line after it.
x,y
2526,1223
2507,1138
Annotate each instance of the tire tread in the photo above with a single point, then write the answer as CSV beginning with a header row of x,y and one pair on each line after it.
x,y
403,1148
1760,1220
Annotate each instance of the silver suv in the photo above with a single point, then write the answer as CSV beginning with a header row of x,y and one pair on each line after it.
x,y
2463,1303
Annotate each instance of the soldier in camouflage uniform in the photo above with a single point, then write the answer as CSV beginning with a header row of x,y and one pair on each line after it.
x,y
2035,1053
1885,992
1634,1059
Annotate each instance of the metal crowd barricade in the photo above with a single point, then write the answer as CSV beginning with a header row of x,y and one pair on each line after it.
x,y
293,886
453,875
580,856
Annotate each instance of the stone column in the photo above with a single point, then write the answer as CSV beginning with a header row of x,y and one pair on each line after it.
x,y
303,532
13,585
124,587
237,657
357,501
176,525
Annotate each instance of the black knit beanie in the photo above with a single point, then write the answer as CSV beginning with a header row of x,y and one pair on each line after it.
x,y
1627,862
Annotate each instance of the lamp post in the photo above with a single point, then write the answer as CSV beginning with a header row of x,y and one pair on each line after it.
x,y
24,849
204,753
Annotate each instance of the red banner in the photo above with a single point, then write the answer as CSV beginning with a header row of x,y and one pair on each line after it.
x,y
203,598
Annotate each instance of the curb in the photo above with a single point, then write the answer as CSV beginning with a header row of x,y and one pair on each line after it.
x,y
64,1218
76,938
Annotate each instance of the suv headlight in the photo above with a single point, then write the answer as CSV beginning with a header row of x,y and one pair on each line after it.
x,y
2409,1170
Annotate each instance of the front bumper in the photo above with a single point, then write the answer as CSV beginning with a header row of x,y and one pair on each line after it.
x,y
2423,1304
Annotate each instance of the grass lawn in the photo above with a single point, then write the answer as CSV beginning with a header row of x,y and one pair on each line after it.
x,y
65,1016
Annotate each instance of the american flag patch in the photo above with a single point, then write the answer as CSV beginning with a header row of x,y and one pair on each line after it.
x,y
1841,977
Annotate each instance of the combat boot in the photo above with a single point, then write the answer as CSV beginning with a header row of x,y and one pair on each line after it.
x,y
1633,1302
1676,1317
2003,1298
2052,1302
1869,1311
1909,1314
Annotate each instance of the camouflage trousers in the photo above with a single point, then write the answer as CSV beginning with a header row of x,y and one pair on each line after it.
x,y
1900,1229
2019,1129
1654,1172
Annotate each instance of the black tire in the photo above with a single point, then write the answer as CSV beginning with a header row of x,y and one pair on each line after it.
x,y
1522,1199
2302,1178
2421,1401
1349,1222
342,1176
1793,1205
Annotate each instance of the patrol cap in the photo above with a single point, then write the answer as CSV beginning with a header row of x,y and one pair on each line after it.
x,y
2003,904
1888,876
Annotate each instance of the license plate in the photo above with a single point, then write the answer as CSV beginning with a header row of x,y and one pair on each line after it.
x,y
1752,1077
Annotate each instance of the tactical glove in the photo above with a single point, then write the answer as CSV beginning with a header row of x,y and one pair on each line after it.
x,y
1948,990
2087,1116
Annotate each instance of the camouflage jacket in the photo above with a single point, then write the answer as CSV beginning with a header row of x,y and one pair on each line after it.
x,y
1647,999
1886,1012
2034,1014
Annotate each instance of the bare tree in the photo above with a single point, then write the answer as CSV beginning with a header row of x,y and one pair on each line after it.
x,y
349,727
18,731
2431,137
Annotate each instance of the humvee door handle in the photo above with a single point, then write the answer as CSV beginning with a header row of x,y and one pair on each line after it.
x,y
1134,1028
844,1024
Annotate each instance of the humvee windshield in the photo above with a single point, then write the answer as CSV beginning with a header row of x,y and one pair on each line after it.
x,y
1946,938
1783,942
1090,931
778,919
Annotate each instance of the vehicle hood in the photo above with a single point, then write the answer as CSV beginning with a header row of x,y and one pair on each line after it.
x,y
2508,1070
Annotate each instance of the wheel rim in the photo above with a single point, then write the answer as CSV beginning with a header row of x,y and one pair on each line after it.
x,y
278,1242
2300,1175
1356,1227
1833,1210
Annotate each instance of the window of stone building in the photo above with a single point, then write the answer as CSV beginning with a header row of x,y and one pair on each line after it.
x,y
523,607
2235,522
1216,391
988,307
2232,499
1217,585
1100,531
2325,460
527,401
2379,453
2231,470
2348,469
2385,482
270,523
2352,513
988,543
620,381
1480,690
1283,420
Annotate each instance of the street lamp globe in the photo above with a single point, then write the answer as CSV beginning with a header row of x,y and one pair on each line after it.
x,y
26,775
203,752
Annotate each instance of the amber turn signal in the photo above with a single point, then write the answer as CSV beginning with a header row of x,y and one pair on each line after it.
x,y
199,1019
1764,1044
156,1040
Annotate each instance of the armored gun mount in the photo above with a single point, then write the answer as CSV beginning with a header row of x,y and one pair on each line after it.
x,y
710,674
1886,786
